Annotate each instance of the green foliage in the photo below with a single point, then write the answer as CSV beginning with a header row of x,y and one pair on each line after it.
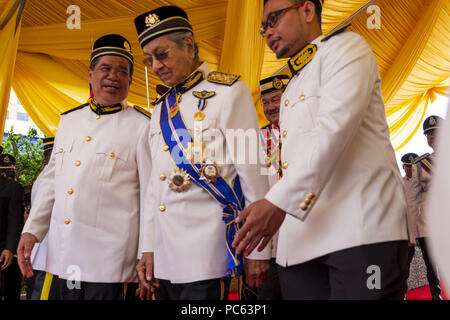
x,y
29,155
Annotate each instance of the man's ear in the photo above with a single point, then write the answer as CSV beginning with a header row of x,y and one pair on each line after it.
x,y
190,45
310,11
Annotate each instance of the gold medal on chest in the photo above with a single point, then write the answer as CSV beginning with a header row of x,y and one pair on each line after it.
x,y
199,116
209,171
179,181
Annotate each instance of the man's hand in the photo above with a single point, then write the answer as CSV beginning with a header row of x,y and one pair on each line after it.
x,y
147,282
256,272
26,244
7,256
262,221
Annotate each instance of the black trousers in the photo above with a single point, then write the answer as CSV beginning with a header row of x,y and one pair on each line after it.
x,y
432,276
368,272
215,289
97,291
12,282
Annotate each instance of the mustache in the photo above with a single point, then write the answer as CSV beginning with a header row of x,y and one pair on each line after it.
x,y
114,84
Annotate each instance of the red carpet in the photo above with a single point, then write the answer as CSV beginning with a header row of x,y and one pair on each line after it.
x,y
422,293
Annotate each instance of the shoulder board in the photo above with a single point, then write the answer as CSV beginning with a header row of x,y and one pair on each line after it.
x,y
418,159
143,111
227,79
335,33
74,109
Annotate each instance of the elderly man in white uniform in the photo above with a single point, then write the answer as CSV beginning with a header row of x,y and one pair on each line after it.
x,y
90,194
200,176
340,203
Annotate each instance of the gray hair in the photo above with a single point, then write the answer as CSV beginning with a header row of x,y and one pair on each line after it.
x,y
179,36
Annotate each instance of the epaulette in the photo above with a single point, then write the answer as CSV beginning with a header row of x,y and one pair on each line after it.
x,y
418,159
74,109
227,79
335,33
143,111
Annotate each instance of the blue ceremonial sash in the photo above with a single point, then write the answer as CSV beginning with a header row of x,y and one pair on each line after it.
x,y
231,198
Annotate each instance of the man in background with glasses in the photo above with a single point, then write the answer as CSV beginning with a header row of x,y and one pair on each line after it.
x,y
340,202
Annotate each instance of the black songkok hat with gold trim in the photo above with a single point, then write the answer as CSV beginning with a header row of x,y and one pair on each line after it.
x,y
431,123
161,21
112,45
408,158
274,83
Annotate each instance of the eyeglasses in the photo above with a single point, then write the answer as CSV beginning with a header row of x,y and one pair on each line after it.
x,y
273,16
160,56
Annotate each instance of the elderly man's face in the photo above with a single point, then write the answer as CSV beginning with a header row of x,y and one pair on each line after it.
x,y
271,106
110,79
171,64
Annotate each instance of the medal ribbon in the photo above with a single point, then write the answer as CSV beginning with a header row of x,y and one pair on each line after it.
x,y
427,164
230,198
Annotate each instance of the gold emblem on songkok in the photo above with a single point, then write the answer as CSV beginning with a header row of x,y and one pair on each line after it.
x,y
126,45
277,83
432,121
151,20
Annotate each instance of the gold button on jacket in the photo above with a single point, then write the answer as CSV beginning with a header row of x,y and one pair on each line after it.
x,y
67,221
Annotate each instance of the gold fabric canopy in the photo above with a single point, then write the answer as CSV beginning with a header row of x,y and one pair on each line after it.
x,y
46,62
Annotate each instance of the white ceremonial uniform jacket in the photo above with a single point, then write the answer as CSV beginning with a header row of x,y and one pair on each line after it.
x,y
39,253
341,186
185,230
90,195
413,210
421,185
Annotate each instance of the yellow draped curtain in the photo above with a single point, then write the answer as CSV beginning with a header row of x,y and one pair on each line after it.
x,y
9,38
50,73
